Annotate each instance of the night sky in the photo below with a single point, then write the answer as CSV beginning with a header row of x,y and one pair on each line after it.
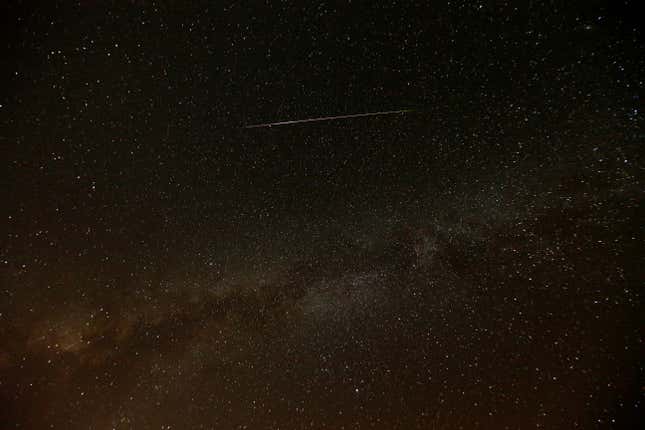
x,y
473,262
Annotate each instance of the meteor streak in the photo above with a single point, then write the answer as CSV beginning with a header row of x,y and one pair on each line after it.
x,y
327,118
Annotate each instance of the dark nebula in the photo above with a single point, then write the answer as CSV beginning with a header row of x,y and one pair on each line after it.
x,y
475,262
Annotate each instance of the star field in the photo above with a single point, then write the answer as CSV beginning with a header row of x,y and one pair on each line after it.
x,y
473,263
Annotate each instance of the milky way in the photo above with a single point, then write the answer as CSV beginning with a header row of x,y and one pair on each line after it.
x,y
475,264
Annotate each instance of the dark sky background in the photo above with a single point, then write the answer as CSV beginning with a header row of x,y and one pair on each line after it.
x,y
474,263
